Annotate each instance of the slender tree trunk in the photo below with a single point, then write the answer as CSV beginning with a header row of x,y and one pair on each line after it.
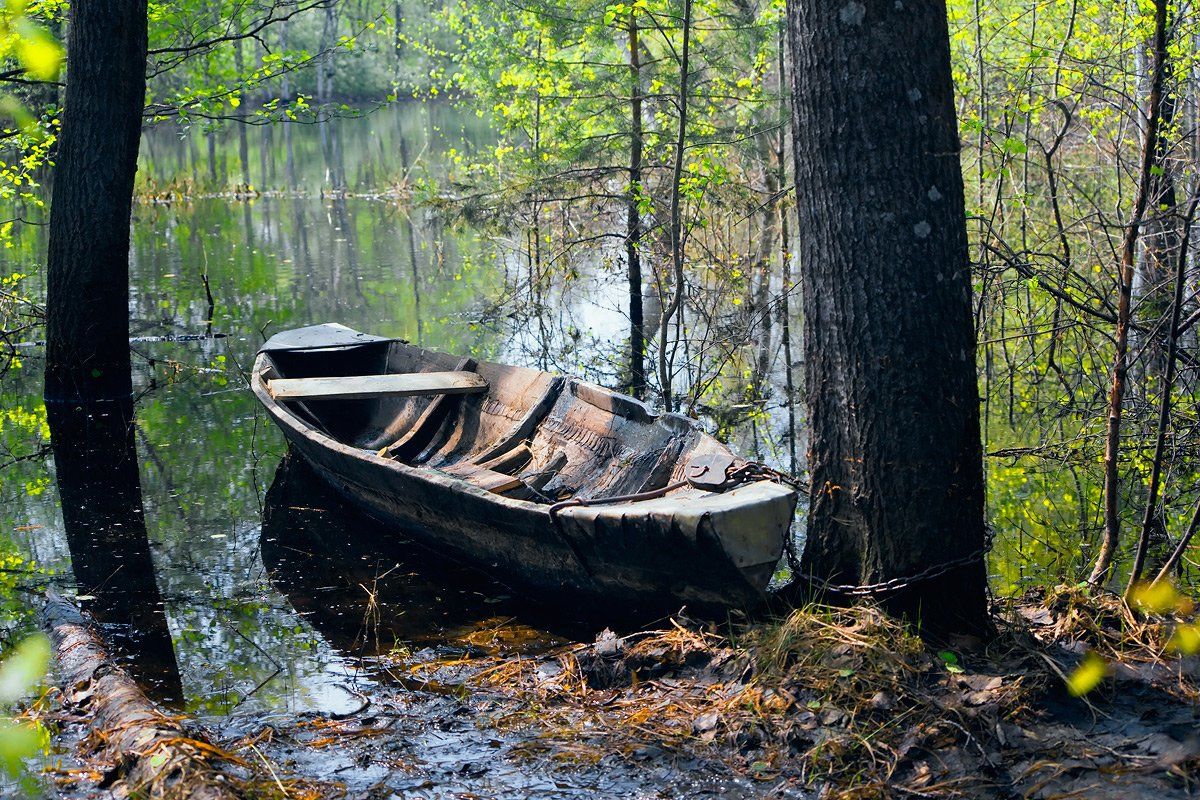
x,y
210,139
675,307
785,253
285,91
895,455
412,249
1116,393
633,218
328,51
1151,521
87,309
397,37
1154,263
239,60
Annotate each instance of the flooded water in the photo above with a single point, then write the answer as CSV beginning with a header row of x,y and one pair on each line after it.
x,y
246,621
235,587
238,589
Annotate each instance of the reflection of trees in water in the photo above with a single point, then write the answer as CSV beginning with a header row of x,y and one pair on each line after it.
x,y
368,589
346,152
98,484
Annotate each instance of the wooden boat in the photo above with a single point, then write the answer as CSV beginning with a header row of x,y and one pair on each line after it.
x,y
475,459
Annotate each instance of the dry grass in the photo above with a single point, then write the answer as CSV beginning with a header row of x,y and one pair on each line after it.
x,y
847,698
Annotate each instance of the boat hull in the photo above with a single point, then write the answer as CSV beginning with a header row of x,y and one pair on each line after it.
x,y
704,550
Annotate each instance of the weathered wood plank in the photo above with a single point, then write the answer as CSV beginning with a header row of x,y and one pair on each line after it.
x,y
486,479
353,387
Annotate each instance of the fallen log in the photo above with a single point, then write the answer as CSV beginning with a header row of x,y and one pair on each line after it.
x,y
152,755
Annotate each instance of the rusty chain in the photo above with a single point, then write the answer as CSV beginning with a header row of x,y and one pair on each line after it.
x,y
897,584
753,470
750,471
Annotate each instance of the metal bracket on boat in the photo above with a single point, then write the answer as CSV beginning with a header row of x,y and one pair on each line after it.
x,y
713,472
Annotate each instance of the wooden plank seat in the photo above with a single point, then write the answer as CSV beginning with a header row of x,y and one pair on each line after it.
x,y
494,475
487,479
351,387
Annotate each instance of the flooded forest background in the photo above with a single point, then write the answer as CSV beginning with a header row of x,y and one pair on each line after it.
x,y
567,186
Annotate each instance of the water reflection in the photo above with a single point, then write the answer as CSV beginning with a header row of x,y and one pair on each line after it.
x,y
368,591
355,154
96,468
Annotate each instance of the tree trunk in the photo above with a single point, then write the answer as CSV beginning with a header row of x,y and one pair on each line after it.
x,y
633,219
87,308
1155,263
1120,368
674,309
895,455
239,60
96,469
785,256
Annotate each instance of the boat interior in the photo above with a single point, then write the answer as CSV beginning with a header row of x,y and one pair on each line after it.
x,y
527,435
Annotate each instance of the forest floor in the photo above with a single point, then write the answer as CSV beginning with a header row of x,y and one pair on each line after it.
x,y
838,703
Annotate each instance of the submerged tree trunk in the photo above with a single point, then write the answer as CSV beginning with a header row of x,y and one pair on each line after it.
x,y
96,470
895,454
87,304
148,754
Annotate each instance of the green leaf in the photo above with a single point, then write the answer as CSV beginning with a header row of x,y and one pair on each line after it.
x,y
17,742
1156,597
39,52
950,659
1185,640
23,668
1014,146
1088,675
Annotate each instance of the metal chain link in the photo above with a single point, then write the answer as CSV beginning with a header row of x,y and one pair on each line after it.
x,y
757,471
897,584
754,470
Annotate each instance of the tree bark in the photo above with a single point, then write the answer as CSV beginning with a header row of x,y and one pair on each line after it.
x,y
146,752
1154,265
895,454
96,471
87,308
239,61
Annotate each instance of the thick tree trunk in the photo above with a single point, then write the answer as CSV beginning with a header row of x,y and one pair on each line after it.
x,y
895,455
87,324
96,469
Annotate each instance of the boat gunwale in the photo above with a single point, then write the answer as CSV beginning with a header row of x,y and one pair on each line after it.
x,y
728,500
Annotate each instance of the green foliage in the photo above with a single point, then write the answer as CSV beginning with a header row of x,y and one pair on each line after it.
x,y
20,672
